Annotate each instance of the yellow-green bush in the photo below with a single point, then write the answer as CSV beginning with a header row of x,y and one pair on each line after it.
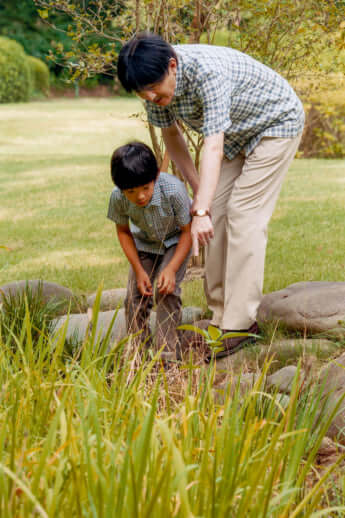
x,y
39,74
220,37
324,131
15,77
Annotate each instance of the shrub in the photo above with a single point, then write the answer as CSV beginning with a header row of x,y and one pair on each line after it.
x,y
15,78
39,74
324,131
15,307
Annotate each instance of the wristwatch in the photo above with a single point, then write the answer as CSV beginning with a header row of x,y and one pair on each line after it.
x,y
201,212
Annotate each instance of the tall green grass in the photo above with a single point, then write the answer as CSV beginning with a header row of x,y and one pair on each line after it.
x,y
107,433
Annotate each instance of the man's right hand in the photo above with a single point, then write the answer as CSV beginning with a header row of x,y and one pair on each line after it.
x,y
144,283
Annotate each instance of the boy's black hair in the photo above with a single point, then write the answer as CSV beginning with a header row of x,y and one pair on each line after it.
x,y
144,61
133,165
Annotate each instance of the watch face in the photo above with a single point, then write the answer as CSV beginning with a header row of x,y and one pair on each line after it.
x,y
200,212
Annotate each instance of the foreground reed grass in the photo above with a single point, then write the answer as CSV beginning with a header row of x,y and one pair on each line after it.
x,y
101,434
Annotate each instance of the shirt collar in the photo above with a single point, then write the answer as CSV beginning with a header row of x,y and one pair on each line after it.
x,y
156,199
180,83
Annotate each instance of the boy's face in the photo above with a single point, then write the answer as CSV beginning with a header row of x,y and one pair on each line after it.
x,y
162,93
140,196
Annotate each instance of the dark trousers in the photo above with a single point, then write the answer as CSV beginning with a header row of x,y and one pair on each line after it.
x,y
169,307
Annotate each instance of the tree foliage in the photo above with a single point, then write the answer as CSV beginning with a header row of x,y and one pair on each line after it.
x,y
21,21
288,35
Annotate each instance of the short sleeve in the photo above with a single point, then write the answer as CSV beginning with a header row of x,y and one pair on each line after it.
x,y
117,209
181,203
214,91
161,116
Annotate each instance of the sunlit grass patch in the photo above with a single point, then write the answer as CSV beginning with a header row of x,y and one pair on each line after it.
x,y
55,197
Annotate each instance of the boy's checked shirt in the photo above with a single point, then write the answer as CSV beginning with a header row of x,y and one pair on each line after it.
x,y
219,89
156,226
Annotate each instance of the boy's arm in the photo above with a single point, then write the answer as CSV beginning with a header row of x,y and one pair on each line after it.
x,y
166,279
128,246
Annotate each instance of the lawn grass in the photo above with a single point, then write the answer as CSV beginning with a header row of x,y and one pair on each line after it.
x,y
55,185
105,433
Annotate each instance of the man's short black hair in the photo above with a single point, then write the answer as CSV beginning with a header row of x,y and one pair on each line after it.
x,y
133,165
144,61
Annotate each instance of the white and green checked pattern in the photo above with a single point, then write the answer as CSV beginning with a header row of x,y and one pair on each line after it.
x,y
156,226
219,89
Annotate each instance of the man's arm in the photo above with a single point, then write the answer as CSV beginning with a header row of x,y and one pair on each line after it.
x,y
166,279
209,171
202,228
178,151
128,246
204,186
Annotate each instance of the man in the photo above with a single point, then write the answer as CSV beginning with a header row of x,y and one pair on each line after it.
x,y
252,122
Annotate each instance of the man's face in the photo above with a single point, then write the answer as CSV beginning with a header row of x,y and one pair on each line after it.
x,y
162,93
140,196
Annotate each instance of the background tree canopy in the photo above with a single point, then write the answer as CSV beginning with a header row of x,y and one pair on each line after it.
x,y
289,35
21,21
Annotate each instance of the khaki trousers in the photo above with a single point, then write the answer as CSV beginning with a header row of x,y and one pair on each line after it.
x,y
169,307
245,197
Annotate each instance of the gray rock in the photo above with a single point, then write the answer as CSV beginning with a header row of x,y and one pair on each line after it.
x,y
283,400
110,299
50,291
307,306
283,351
78,324
282,379
327,453
244,383
291,349
332,386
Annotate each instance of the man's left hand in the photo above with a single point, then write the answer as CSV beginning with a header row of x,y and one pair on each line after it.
x,y
202,232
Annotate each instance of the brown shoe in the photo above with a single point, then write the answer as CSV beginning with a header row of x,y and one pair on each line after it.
x,y
233,344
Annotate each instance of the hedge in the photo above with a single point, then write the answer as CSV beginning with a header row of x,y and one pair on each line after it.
x,y
39,74
15,77
324,131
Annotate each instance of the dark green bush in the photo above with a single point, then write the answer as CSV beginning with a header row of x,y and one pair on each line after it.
x,y
15,77
39,74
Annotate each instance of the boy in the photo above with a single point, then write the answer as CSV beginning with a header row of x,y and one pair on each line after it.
x,y
151,211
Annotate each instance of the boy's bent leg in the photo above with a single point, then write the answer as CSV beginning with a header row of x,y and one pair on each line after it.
x,y
249,210
137,306
169,309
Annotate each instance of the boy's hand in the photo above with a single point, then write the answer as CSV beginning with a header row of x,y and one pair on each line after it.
x,y
144,283
166,281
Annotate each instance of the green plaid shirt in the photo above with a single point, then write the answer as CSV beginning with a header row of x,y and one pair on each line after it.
x,y
156,226
219,89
